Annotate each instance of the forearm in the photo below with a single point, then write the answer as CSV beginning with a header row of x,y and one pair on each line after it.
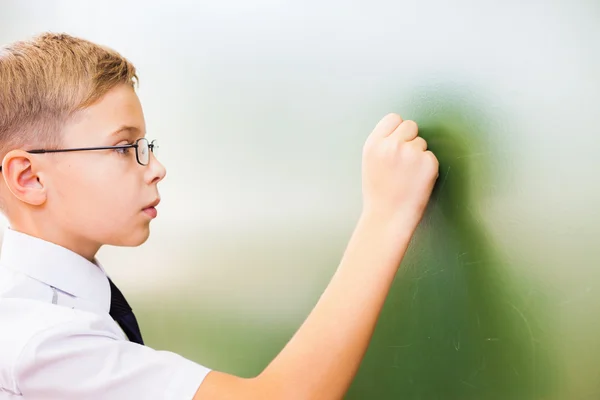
x,y
322,358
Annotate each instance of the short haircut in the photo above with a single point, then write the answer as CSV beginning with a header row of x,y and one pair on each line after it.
x,y
48,78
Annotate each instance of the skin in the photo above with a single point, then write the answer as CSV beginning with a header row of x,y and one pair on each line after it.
x,y
323,356
83,200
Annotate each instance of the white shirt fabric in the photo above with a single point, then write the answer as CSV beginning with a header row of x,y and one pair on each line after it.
x,y
58,341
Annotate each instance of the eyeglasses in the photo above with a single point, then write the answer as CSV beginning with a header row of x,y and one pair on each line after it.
x,y
142,150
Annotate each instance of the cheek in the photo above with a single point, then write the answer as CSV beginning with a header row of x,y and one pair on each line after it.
x,y
96,196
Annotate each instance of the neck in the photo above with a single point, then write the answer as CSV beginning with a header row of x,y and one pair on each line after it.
x,y
53,233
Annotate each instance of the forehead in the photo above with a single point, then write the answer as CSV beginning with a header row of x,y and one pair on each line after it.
x,y
117,108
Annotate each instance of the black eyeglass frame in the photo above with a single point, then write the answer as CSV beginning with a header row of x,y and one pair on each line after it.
x,y
151,146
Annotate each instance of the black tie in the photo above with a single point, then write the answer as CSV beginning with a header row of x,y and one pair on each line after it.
x,y
122,313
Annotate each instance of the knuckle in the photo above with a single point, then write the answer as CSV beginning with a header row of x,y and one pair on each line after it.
x,y
433,159
410,124
393,117
420,143
388,123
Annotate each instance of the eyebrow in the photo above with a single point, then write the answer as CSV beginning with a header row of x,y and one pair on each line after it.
x,y
125,128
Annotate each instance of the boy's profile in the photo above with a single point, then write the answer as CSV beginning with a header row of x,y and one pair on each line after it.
x,y
78,173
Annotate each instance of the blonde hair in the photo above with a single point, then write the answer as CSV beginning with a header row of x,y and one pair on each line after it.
x,y
45,80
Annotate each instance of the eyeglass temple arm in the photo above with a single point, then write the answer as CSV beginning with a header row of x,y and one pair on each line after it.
x,y
42,151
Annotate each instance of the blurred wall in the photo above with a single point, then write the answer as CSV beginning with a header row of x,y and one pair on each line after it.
x,y
262,108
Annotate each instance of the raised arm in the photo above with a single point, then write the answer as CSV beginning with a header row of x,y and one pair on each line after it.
x,y
322,358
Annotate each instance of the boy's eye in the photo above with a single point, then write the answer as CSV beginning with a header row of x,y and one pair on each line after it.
x,y
123,150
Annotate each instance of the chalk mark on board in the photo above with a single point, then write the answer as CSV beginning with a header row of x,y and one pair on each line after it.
x,y
531,337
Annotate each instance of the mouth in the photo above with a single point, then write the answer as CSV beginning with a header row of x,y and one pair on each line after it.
x,y
153,204
150,209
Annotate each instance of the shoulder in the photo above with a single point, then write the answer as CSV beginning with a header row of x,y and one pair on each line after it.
x,y
26,322
25,318
75,355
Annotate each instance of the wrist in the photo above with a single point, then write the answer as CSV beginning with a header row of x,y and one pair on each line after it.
x,y
400,226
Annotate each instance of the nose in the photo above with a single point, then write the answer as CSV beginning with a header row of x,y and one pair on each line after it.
x,y
156,171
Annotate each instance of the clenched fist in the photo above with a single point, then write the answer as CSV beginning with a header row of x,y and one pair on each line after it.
x,y
398,172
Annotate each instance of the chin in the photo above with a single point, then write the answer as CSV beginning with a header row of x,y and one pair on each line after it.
x,y
140,239
133,238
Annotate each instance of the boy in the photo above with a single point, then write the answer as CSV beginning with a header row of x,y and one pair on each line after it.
x,y
78,173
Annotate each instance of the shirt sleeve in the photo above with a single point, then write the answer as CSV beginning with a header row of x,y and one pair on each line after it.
x,y
75,361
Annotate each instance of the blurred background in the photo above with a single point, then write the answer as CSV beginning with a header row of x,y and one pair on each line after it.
x,y
262,107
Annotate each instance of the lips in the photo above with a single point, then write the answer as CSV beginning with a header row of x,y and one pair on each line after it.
x,y
150,209
153,204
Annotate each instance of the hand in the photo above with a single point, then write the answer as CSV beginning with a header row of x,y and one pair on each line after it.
x,y
398,176
398,172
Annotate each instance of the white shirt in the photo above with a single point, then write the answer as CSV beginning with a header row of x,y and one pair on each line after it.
x,y
58,341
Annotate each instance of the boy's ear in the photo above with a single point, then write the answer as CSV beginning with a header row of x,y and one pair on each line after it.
x,y
21,176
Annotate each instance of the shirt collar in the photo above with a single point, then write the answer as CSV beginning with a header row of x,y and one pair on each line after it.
x,y
56,266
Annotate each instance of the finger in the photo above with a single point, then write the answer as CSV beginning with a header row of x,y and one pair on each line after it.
x,y
419,142
387,125
407,131
433,157
434,160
